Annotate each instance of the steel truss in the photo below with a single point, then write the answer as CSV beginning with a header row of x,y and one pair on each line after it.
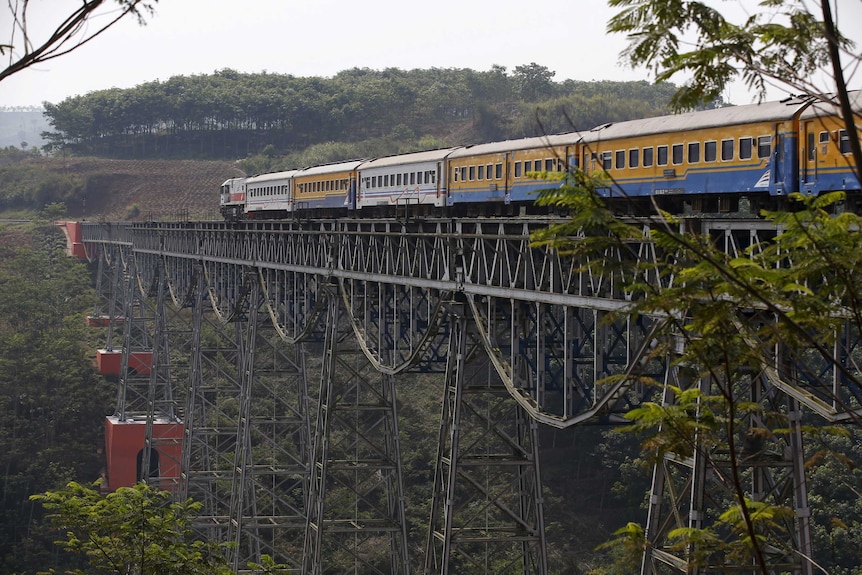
x,y
486,514
523,337
356,508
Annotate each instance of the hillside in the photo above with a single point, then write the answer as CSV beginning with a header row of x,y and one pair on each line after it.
x,y
142,189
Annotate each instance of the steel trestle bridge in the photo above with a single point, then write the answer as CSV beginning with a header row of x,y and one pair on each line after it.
x,y
277,349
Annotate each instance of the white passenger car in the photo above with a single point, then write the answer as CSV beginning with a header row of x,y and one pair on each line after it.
x,y
417,178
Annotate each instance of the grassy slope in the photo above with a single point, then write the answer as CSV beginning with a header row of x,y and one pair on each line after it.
x,y
160,189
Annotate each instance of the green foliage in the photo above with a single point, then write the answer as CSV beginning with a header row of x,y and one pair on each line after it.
x,y
133,211
132,530
784,42
625,550
53,212
731,312
53,405
24,185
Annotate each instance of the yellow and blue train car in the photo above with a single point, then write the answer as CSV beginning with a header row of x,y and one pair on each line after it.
x,y
509,171
327,187
733,150
825,159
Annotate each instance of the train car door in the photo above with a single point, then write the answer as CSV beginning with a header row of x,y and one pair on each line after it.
x,y
808,159
352,191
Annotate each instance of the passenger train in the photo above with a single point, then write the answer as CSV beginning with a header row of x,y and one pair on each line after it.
x,y
703,161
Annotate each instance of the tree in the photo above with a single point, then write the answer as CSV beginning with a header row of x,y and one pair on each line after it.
x,y
72,31
132,531
786,44
533,80
739,317
776,311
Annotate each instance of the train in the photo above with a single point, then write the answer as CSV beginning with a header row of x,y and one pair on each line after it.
x,y
726,160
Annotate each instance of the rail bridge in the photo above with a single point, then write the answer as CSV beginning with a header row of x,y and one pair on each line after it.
x,y
258,369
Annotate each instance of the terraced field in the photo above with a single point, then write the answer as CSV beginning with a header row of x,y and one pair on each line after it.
x,y
146,189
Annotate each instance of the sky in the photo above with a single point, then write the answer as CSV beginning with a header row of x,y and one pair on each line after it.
x,y
323,37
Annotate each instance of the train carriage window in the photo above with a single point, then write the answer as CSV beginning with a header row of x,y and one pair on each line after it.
x,y
488,172
634,158
726,150
620,159
843,142
676,152
472,173
481,173
412,178
764,145
498,171
606,161
549,165
824,137
463,173
710,151
432,177
398,180
648,157
517,169
662,156
693,152
746,146
812,149
537,166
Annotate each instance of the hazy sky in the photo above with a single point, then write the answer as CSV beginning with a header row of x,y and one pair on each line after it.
x,y
323,37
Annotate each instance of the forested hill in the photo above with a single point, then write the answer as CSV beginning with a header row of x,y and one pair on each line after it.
x,y
231,115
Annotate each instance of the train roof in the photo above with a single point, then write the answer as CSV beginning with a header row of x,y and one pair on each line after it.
x,y
330,168
522,144
703,119
270,176
410,158
819,108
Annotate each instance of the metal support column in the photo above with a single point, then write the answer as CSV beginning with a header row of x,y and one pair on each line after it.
x,y
486,514
356,509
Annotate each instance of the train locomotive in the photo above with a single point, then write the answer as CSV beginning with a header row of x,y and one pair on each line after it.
x,y
698,162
